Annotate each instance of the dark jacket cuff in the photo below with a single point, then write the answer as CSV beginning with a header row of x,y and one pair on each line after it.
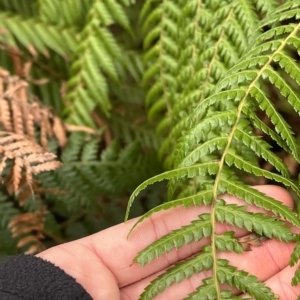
x,y
30,277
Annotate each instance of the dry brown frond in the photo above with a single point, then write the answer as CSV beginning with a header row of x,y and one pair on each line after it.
x,y
20,112
29,227
28,157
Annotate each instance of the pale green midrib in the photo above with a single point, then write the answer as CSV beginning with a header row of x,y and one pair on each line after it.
x,y
222,160
213,216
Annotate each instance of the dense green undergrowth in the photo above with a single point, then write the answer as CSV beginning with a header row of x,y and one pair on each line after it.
x,y
201,94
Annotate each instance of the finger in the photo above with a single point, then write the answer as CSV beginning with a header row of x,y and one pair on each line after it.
x,y
281,284
264,262
118,253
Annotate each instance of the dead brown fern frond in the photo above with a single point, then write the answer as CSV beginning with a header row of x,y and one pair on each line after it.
x,y
28,159
20,112
28,227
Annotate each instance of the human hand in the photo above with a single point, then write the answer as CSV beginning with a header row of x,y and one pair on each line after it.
x,y
102,262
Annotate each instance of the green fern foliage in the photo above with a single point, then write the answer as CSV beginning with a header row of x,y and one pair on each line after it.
x,y
97,50
209,49
98,173
72,37
231,53
43,37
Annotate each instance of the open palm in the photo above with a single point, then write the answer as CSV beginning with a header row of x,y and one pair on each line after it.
x,y
102,263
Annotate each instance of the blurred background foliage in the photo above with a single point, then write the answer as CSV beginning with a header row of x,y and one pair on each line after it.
x,y
82,60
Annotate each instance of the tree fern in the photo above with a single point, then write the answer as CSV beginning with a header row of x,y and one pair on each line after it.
x,y
214,116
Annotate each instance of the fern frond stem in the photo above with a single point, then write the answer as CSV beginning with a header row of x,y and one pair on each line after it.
x,y
215,190
222,160
214,249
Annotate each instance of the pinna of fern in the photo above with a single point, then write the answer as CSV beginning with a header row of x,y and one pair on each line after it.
x,y
209,158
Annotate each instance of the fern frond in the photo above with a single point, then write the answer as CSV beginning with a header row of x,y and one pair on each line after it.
x,y
252,196
225,39
227,242
63,14
196,170
232,158
7,211
25,155
214,113
37,37
183,236
160,27
228,274
97,172
203,197
257,222
29,226
245,283
95,58
178,272
19,113
24,8
295,255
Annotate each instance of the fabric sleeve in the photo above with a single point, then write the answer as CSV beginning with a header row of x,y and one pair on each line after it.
x,y
30,277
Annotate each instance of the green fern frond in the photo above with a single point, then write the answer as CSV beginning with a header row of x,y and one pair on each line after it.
x,y
227,242
203,197
214,113
225,39
108,173
228,274
95,58
26,8
203,169
296,278
245,283
65,14
7,211
36,36
179,272
160,42
183,236
257,222
295,255
293,260
252,196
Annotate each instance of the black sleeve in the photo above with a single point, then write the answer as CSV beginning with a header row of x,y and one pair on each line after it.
x,y
29,277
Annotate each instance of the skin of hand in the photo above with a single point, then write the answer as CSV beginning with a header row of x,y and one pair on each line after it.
x,y
102,262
